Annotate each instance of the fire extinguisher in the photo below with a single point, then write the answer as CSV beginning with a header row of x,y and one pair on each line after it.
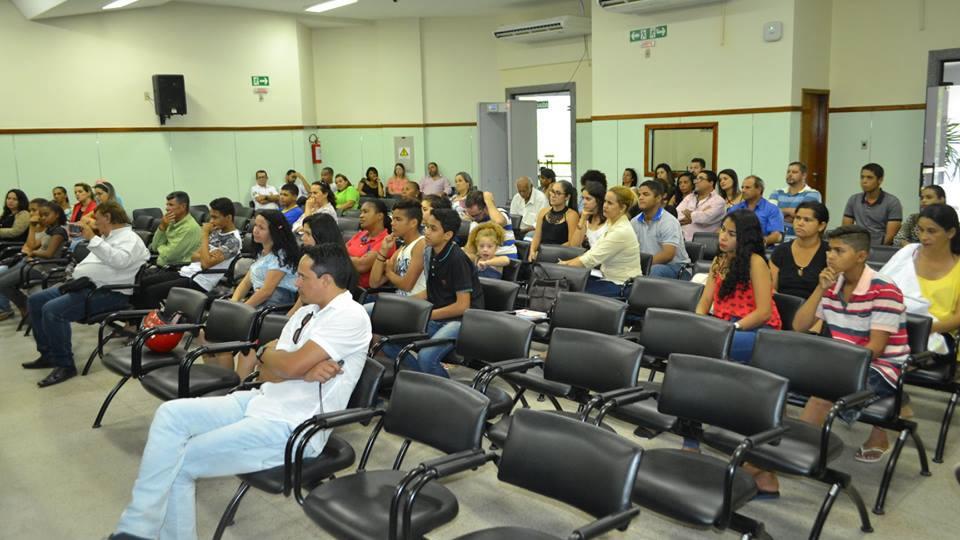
x,y
315,152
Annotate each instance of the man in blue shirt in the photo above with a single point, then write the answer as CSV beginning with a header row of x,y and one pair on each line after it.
x,y
771,220
659,233
288,203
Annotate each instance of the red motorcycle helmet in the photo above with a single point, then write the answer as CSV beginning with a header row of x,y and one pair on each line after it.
x,y
164,343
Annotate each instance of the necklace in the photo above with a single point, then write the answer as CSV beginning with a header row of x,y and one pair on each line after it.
x,y
555,218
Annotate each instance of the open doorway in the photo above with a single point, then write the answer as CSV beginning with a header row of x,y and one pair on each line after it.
x,y
556,126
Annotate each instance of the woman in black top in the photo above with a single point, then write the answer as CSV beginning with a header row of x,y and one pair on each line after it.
x,y
370,185
556,223
796,265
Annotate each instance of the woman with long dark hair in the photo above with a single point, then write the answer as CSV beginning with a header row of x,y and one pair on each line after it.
x,y
61,198
371,186
729,188
15,219
364,246
557,223
462,186
739,287
592,223
272,277
85,204
320,201
629,178
315,230
795,266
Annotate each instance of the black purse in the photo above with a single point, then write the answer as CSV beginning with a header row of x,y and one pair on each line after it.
x,y
77,285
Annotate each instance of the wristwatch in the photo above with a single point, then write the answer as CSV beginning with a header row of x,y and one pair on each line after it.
x,y
259,354
736,326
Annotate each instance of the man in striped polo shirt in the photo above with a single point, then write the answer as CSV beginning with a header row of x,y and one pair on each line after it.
x,y
865,308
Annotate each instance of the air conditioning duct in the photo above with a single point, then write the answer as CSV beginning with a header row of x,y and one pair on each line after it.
x,y
649,6
545,29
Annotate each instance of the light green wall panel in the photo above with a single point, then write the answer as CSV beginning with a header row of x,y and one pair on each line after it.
x,y
844,158
205,165
771,149
896,143
630,135
374,153
8,163
341,151
271,151
605,146
453,148
138,165
44,161
584,147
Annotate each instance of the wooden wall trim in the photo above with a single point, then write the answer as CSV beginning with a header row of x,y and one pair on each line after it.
x,y
873,108
712,112
40,131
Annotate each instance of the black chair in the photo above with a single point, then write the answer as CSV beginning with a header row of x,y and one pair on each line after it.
x,y
787,306
511,272
398,320
137,359
498,294
580,365
155,213
665,332
939,374
360,505
555,253
523,250
248,246
145,236
463,233
485,337
646,263
230,327
243,224
881,254
242,210
200,212
806,449
349,224
584,311
656,292
576,276
709,242
694,253
699,489
336,456
143,222
351,213
566,460
515,221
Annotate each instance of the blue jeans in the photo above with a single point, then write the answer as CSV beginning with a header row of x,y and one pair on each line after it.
x,y
670,270
51,313
4,301
429,360
190,439
602,287
10,286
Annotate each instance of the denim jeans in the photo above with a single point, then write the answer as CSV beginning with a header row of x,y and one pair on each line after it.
x,y
51,313
602,287
429,359
4,301
10,286
191,439
670,270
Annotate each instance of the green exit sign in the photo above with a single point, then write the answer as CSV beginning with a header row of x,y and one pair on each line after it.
x,y
260,80
646,34
543,104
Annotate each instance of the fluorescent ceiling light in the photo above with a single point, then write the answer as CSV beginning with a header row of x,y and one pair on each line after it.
x,y
118,4
329,4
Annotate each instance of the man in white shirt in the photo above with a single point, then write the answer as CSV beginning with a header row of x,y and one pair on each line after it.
x,y
115,258
527,203
312,369
264,196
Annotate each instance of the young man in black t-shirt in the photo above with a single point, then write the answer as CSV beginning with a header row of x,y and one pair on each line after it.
x,y
452,288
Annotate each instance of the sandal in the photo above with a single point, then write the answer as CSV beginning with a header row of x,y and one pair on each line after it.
x,y
870,455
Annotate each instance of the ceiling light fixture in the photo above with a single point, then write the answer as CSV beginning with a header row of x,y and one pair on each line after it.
x,y
329,4
116,4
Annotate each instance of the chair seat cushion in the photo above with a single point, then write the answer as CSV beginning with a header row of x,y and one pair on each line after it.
x,y
162,382
119,360
645,414
500,401
387,380
541,332
532,379
357,507
497,433
336,456
501,533
798,451
688,486
937,375
881,411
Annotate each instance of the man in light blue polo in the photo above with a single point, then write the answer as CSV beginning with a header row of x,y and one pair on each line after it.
x,y
659,233
771,220
797,192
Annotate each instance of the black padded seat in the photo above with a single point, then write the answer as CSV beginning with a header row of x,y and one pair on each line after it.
x,y
336,456
541,331
533,379
881,410
513,533
798,453
163,382
497,433
645,413
357,507
688,486
500,401
119,360
935,375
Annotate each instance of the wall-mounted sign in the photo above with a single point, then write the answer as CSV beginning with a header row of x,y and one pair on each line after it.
x,y
259,80
645,34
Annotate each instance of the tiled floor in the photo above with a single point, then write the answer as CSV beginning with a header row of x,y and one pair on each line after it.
x,y
63,480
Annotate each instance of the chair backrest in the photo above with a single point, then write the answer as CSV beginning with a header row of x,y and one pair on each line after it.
x,y
787,306
881,254
364,393
588,312
555,253
155,213
570,461
511,271
247,245
230,321
515,220
463,232
646,263
80,252
918,332
657,292
142,222
492,337
200,212
241,223
815,366
241,267
523,249
667,331
189,302
709,242
395,314
442,413
592,361
242,210
145,236
499,295
349,224
728,395
576,276
694,250
271,327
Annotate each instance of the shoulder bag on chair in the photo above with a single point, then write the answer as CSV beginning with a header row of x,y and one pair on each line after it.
x,y
543,290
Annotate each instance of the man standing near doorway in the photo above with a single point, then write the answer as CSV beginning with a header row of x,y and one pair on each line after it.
x,y
797,192
771,220
880,212
527,203
434,183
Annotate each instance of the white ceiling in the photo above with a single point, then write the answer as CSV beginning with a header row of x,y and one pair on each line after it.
x,y
362,12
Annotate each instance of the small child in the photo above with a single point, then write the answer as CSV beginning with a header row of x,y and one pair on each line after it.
x,y
484,240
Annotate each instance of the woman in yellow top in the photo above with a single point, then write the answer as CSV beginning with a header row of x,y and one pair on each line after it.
x,y
617,251
937,263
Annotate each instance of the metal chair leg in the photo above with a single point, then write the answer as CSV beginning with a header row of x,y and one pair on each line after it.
x,y
852,492
921,450
231,510
824,511
888,472
945,427
106,402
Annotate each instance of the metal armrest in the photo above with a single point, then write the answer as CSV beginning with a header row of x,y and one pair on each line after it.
x,y
183,379
736,459
849,401
617,398
142,337
605,524
397,338
127,315
920,360
491,371
417,345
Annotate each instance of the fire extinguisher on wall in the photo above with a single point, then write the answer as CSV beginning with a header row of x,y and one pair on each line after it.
x,y
315,151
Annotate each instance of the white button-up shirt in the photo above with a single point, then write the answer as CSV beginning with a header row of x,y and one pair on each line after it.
x,y
114,260
528,209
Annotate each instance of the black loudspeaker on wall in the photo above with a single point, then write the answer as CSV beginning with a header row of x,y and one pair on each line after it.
x,y
169,96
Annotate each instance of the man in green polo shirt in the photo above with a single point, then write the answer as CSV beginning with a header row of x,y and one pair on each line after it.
x,y
176,239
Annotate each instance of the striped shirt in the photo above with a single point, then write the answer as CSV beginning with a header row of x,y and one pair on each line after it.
x,y
876,304
509,247
783,199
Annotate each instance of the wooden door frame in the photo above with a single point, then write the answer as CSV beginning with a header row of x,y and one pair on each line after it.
x,y
826,130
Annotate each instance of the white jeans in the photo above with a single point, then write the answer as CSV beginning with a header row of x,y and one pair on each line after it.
x,y
190,439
